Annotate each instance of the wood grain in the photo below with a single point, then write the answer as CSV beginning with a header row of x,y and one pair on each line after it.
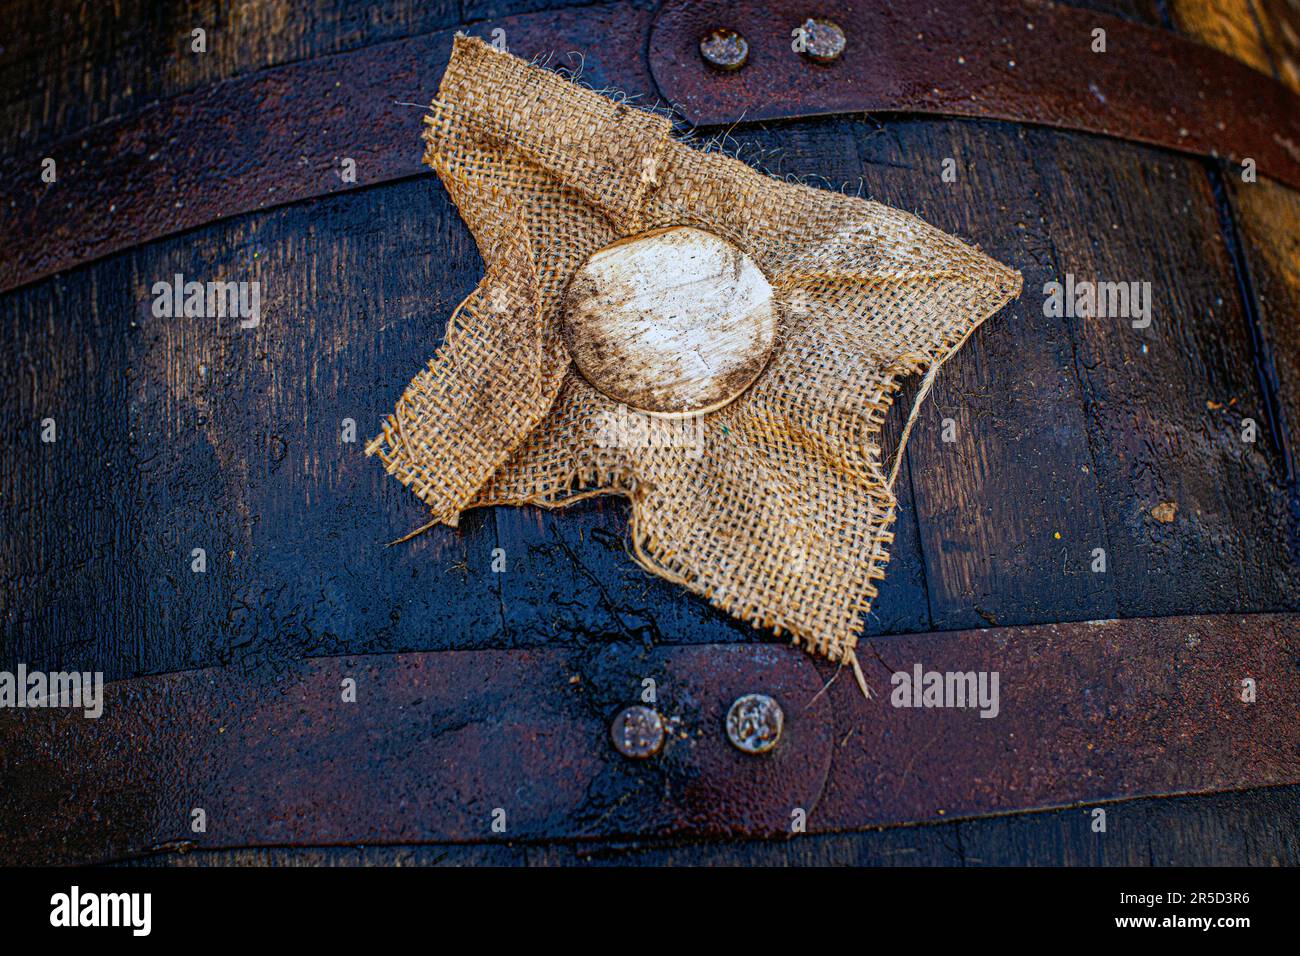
x,y
1252,828
1000,460
1261,221
95,61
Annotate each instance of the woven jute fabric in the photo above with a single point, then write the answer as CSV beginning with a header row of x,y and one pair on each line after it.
x,y
781,513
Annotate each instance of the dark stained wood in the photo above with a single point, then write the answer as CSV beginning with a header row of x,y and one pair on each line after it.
x,y
1009,510
991,503
68,65
1140,11
905,846
180,434
1165,403
570,577
1253,828
1267,217
1261,219
482,854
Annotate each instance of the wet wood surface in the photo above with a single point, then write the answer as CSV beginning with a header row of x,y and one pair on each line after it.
x,y
1047,438
1261,218
1259,828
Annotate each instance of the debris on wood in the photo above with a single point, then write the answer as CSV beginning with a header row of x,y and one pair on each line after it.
x,y
1164,512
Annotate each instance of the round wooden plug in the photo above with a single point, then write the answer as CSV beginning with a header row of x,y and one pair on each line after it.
x,y
673,322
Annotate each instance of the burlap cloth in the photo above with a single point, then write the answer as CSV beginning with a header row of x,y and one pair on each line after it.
x,y
784,520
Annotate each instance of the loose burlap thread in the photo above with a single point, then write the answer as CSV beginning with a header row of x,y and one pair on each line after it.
x,y
784,520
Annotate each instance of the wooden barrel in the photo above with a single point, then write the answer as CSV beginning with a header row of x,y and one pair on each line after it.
x,y
1098,504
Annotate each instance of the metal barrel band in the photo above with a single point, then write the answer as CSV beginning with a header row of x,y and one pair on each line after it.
x,y
514,745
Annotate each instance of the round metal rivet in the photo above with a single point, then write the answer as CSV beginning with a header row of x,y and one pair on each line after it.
x,y
724,49
637,732
823,40
754,723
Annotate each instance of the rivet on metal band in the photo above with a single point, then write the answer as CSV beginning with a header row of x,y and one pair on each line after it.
x,y
754,723
820,40
637,732
724,49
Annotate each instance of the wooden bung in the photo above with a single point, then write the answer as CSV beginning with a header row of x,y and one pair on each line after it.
x,y
672,322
